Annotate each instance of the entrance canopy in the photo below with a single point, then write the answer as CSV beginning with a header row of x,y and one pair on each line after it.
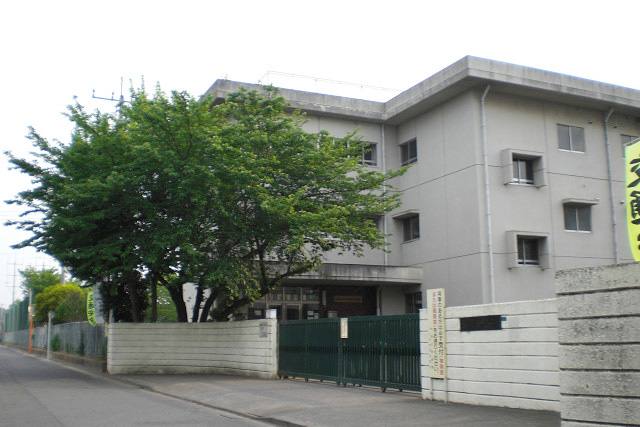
x,y
360,275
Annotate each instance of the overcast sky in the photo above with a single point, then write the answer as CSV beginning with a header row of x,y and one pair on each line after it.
x,y
53,51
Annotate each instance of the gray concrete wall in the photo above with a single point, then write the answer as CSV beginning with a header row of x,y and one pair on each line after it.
x,y
599,334
514,367
241,348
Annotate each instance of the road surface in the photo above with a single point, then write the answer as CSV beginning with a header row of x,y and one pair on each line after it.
x,y
36,392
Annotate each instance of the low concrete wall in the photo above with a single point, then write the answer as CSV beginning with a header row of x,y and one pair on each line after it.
x,y
515,367
242,348
599,333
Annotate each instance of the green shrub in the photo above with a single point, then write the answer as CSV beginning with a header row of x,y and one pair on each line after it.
x,y
55,343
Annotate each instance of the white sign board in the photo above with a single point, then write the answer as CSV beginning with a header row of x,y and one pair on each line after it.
x,y
344,328
437,340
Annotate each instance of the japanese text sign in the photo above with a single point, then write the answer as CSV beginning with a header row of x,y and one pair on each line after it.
x,y
632,180
437,340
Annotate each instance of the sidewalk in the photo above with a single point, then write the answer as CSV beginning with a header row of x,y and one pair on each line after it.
x,y
294,402
298,403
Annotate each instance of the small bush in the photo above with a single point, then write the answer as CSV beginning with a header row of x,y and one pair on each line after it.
x,y
55,343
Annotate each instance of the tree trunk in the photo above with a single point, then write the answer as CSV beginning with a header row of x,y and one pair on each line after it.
x,y
204,314
176,295
196,307
223,315
154,300
133,300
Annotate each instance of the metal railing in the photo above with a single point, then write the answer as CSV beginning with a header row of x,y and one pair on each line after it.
x,y
74,338
381,351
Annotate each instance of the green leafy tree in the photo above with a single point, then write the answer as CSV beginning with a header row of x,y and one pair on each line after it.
x,y
36,281
232,198
63,300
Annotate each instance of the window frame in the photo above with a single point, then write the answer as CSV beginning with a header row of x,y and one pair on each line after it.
x,y
572,145
573,212
515,246
518,164
406,152
534,159
372,149
626,140
524,246
578,204
410,228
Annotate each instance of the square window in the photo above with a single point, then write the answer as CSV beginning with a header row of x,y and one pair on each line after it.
x,y
409,152
370,155
523,167
571,138
528,253
527,248
577,217
410,228
522,171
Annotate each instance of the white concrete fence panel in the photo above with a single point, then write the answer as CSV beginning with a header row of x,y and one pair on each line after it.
x,y
515,366
241,348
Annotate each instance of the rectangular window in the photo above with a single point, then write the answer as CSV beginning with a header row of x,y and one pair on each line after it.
x,y
528,253
370,155
577,217
408,152
571,138
625,139
522,171
410,228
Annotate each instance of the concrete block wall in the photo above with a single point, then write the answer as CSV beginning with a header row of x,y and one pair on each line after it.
x,y
599,334
241,348
514,367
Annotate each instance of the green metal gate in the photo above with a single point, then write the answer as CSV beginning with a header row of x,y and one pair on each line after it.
x,y
381,351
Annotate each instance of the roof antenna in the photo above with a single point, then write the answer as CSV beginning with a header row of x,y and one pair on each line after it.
x,y
120,101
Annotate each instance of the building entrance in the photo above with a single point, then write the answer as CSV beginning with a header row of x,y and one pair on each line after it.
x,y
300,303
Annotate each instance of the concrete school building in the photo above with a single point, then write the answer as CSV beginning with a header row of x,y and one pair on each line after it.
x,y
516,173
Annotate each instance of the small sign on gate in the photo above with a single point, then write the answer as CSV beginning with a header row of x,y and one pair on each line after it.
x,y
344,328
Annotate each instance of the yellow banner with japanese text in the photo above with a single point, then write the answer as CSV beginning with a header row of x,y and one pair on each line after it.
x,y
632,180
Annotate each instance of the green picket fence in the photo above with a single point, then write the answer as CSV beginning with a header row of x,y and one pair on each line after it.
x,y
382,351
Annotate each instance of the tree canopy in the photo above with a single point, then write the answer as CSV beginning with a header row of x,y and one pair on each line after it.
x,y
231,198
36,281
68,302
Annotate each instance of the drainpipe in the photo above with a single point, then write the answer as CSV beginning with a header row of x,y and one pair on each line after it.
x,y
486,193
609,175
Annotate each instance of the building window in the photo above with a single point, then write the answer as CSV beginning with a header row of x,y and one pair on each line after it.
x,y
377,222
528,251
626,139
571,138
523,167
527,248
370,155
410,228
413,302
577,217
409,152
522,171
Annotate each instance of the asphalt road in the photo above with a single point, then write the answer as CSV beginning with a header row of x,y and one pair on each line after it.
x,y
35,392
